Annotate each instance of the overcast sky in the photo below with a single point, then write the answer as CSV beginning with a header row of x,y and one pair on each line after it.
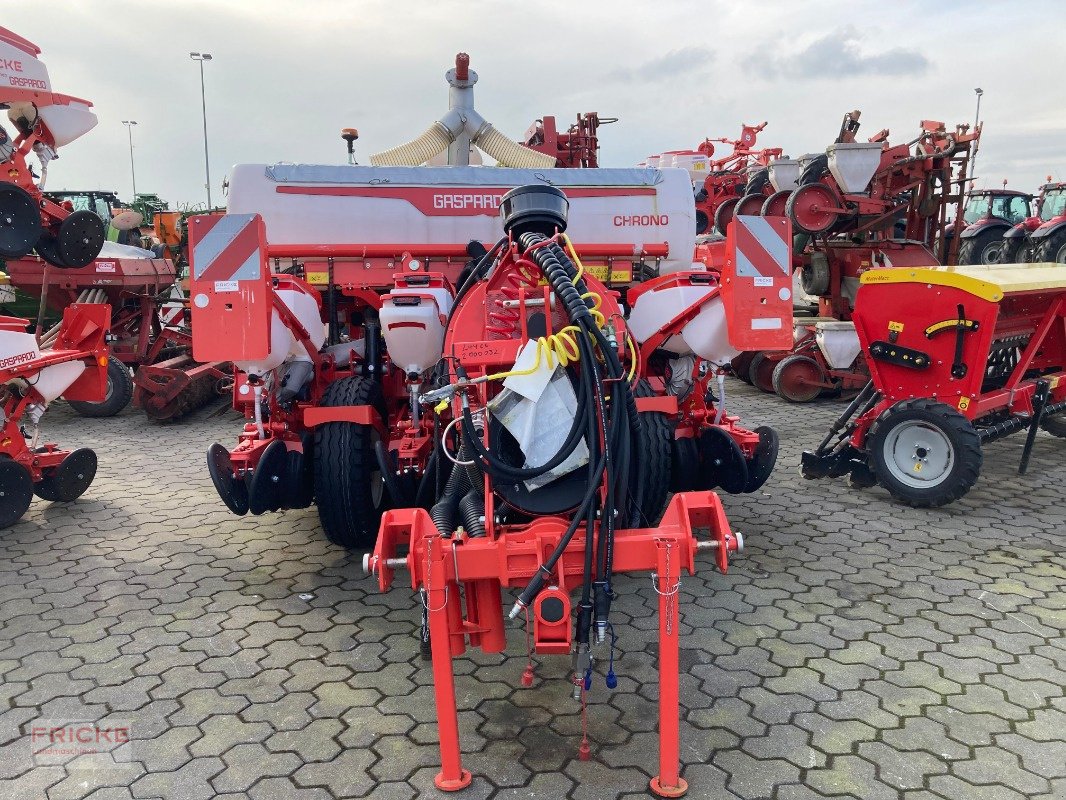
x,y
286,76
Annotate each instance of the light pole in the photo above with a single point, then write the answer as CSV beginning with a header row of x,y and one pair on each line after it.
x,y
976,122
202,57
129,123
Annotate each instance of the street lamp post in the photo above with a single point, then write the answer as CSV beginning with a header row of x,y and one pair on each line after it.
x,y
202,57
976,122
129,123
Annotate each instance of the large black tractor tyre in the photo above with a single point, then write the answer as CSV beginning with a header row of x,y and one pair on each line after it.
x,y
349,487
987,247
118,395
652,464
1052,247
926,454
1017,250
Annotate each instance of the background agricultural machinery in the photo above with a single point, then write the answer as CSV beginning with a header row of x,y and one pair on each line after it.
x,y
989,214
44,121
76,368
1041,237
860,206
959,357
149,332
721,184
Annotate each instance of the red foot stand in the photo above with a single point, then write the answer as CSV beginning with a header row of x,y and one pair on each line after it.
x,y
451,573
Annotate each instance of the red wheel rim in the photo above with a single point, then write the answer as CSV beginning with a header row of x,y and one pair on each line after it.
x,y
809,207
775,204
800,380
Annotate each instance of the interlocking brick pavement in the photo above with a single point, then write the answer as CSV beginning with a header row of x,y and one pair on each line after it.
x,y
856,649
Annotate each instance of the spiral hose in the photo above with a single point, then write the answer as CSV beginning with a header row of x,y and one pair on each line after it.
x,y
418,151
509,153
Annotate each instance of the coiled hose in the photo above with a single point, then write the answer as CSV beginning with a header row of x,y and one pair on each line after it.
x,y
472,513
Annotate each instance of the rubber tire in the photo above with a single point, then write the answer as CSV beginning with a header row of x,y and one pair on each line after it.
x,y
653,464
344,462
120,393
29,216
761,373
1052,248
956,428
815,276
18,493
1055,424
974,250
1018,250
807,393
741,364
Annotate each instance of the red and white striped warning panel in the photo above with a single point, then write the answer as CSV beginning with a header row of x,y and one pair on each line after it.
x,y
757,283
229,287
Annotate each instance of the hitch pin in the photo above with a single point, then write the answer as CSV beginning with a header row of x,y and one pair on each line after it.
x,y
371,563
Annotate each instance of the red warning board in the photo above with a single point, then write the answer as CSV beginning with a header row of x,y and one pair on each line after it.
x,y
757,283
229,287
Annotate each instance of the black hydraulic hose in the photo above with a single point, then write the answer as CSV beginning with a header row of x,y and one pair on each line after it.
x,y
474,277
445,509
472,513
545,570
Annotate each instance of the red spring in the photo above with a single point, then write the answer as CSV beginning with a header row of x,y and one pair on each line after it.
x,y
519,275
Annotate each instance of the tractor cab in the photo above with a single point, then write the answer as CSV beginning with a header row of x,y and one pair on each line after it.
x,y
989,214
996,204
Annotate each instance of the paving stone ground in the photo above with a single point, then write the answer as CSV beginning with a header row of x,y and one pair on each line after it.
x,y
857,649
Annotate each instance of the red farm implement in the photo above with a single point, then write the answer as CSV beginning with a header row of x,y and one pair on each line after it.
x,y
44,121
30,379
860,206
149,332
958,357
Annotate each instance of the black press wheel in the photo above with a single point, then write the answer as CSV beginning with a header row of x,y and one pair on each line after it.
x,y
70,479
798,379
349,486
20,221
16,492
774,205
117,397
741,365
762,461
231,488
653,465
925,453
80,237
984,248
1052,248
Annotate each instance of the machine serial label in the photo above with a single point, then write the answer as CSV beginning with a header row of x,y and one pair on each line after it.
x,y
106,266
762,281
226,286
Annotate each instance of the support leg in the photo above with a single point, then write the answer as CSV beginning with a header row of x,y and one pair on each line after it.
x,y
452,777
669,783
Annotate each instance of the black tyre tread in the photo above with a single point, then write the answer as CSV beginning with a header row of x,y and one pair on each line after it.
x,y
970,250
1015,251
653,465
343,462
779,371
118,375
968,455
1050,245
1055,424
